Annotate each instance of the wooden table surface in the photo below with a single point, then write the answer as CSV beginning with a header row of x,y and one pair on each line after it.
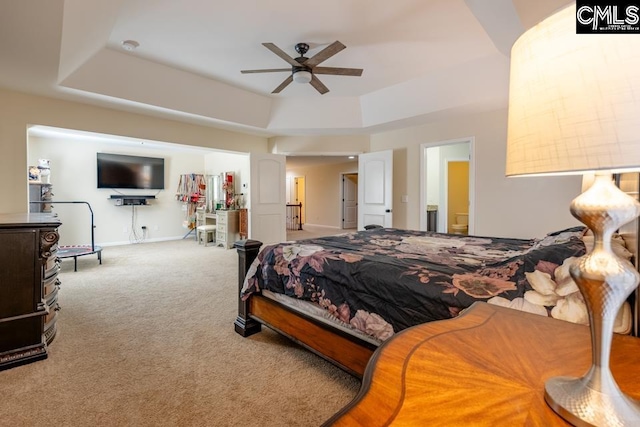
x,y
485,367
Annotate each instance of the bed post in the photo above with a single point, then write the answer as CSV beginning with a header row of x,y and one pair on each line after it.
x,y
247,252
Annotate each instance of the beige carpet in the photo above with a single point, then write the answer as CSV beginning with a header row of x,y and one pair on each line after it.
x,y
147,339
313,231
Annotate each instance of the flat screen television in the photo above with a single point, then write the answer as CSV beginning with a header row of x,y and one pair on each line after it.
x,y
123,171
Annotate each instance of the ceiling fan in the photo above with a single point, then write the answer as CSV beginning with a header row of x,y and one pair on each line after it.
x,y
304,70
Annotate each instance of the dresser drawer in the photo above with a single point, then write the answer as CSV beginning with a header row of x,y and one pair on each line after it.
x,y
50,285
53,312
52,298
222,218
52,263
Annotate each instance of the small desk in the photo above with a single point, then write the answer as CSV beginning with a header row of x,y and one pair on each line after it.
x,y
205,218
486,367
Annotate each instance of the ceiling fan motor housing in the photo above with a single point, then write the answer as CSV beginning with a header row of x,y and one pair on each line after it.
x,y
302,48
295,69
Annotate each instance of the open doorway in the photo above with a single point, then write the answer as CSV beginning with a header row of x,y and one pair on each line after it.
x,y
447,186
457,196
300,196
296,195
349,200
322,186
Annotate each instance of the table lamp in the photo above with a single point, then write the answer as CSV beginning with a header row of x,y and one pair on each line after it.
x,y
574,107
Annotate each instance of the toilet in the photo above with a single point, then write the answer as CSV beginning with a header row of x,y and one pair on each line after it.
x,y
462,224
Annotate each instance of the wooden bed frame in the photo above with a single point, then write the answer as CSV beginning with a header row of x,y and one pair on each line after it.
x,y
349,352
346,351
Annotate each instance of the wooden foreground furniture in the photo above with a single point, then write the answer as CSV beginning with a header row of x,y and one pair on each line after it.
x,y
486,367
346,351
29,285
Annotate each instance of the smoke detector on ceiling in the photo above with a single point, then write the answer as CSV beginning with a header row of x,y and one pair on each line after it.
x,y
130,45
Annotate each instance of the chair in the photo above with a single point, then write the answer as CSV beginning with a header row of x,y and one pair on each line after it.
x,y
206,231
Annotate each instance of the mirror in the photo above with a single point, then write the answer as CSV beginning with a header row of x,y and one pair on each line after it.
x,y
214,193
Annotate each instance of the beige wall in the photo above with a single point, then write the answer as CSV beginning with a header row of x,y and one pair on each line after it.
x,y
324,192
73,177
319,144
19,110
509,207
516,207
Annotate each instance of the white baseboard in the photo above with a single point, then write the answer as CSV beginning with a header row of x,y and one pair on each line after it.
x,y
322,226
158,239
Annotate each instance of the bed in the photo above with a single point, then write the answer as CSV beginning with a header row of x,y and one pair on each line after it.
x,y
342,296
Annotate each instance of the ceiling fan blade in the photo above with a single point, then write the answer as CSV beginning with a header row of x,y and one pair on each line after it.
x,y
281,53
318,85
284,84
338,71
268,70
325,54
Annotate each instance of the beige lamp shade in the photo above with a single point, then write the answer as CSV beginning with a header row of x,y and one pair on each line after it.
x,y
574,100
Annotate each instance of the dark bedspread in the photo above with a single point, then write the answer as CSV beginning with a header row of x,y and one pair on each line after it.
x,y
385,280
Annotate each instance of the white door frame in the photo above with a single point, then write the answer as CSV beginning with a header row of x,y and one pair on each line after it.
x,y
472,179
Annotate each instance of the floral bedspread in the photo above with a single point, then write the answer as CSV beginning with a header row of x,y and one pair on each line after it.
x,y
384,280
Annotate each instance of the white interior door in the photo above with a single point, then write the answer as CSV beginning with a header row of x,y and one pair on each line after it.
x,y
375,189
349,200
267,195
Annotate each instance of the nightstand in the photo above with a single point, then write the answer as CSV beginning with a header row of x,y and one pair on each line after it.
x,y
486,367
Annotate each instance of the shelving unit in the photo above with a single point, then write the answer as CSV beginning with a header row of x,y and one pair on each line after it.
x,y
40,192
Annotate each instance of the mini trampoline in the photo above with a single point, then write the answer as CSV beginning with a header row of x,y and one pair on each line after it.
x,y
74,251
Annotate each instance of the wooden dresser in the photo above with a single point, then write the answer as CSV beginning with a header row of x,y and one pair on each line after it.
x,y
227,228
486,367
28,286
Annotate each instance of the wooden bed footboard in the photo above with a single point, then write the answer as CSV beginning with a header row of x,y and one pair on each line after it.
x,y
247,252
346,351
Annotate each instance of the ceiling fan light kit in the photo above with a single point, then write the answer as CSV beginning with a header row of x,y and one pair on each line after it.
x,y
302,76
303,69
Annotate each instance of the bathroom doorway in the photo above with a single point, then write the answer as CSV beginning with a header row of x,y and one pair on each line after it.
x,y
457,201
440,162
